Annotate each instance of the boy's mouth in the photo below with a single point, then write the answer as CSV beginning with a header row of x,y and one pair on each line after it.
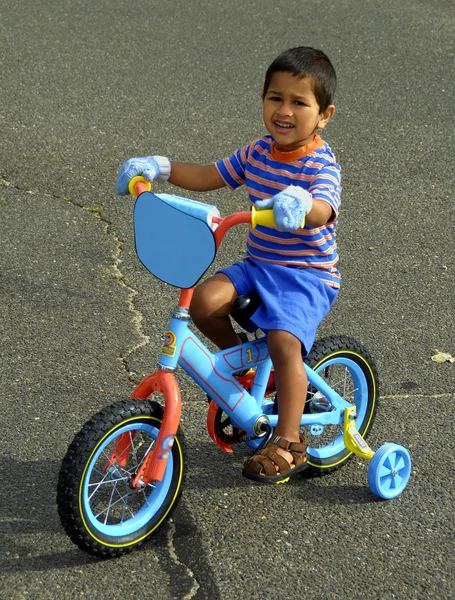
x,y
283,126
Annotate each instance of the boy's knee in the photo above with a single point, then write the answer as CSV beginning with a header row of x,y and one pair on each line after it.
x,y
213,298
208,302
199,308
283,346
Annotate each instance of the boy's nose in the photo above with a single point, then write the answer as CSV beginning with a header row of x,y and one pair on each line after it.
x,y
285,109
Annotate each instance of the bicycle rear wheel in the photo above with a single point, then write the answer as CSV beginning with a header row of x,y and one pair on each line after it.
x,y
350,371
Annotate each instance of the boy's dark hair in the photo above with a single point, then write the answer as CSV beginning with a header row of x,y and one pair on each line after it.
x,y
307,62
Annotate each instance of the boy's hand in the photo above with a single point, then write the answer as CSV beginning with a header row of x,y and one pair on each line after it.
x,y
150,167
290,206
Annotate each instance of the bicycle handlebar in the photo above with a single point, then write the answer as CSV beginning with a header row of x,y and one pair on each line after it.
x,y
139,184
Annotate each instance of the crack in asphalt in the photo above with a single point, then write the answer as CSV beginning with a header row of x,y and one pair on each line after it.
x,y
116,270
173,553
137,317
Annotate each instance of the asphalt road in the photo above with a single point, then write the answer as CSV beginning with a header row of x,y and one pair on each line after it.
x,y
85,85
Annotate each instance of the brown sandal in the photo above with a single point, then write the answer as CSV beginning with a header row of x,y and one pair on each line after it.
x,y
262,465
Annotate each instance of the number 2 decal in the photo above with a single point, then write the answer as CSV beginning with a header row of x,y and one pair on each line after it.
x,y
169,348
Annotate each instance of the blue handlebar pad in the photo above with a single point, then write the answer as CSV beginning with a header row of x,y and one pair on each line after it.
x,y
200,210
173,237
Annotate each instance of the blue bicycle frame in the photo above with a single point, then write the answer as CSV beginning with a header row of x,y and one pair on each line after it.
x,y
213,372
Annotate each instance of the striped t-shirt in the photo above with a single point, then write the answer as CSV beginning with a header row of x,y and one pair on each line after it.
x,y
266,171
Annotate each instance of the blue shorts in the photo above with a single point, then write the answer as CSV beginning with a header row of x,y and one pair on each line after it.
x,y
294,300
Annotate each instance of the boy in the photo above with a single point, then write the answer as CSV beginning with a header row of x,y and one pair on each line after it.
x,y
293,171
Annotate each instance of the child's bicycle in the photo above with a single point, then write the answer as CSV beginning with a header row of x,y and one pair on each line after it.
x,y
122,475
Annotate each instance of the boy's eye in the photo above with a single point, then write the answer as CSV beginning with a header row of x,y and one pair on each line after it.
x,y
279,99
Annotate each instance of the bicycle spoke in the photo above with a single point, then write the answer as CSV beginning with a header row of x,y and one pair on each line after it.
x,y
109,507
98,484
112,503
138,463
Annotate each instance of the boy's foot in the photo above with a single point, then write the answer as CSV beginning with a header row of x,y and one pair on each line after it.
x,y
268,465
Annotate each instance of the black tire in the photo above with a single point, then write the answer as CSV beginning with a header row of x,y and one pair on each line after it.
x,y
350,363
98,510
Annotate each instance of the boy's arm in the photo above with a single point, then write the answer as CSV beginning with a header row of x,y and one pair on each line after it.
x,y
325,189
197,178
320,213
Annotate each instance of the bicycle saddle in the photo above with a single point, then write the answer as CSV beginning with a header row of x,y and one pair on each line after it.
x,y
246,304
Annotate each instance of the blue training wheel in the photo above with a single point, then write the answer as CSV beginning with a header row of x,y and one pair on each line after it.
x,y
389,471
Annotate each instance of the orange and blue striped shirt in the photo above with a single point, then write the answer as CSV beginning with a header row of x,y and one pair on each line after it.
x,y
265,171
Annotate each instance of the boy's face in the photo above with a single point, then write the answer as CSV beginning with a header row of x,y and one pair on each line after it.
x,y
291,112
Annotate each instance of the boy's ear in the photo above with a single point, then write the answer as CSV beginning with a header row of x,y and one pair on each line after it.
x,y
325,116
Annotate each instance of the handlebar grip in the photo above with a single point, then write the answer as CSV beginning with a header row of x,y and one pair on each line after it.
x,y
262,217
138,179
266,218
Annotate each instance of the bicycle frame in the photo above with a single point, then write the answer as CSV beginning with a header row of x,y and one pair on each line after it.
x,y
213,372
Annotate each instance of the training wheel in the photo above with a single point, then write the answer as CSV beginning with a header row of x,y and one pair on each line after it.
x,y
389,471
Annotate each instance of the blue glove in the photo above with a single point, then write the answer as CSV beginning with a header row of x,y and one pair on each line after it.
x,y
290,206
150,167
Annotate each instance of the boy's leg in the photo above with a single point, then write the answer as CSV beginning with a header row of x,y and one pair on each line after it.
x,y
291,383
210,309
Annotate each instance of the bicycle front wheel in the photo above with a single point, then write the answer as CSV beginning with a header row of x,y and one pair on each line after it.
x,y
349,369
98,509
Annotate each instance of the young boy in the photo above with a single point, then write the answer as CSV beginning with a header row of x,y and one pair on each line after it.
x,y
293,171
